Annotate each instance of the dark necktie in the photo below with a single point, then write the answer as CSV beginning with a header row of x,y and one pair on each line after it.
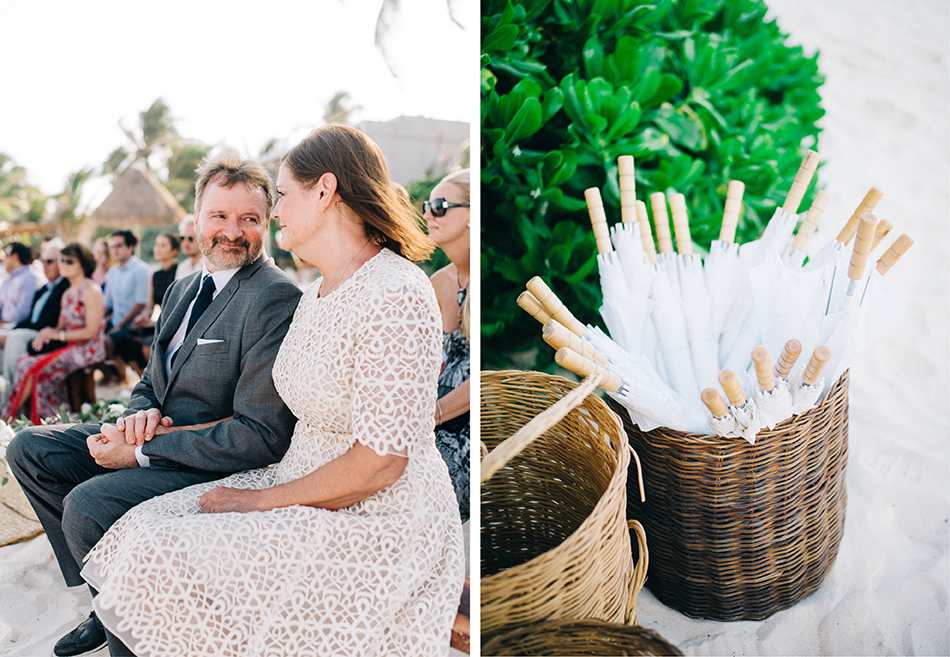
x,y
201,305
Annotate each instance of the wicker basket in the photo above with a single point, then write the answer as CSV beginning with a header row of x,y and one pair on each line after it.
x,y
556,638
740,531
555,539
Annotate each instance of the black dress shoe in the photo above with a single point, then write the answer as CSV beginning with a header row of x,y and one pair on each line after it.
x,y
89,636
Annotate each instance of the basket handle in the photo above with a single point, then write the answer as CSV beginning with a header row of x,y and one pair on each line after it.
x,y
513,445
639,577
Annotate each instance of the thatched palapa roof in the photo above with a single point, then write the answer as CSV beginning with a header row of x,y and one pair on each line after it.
x,y
138,199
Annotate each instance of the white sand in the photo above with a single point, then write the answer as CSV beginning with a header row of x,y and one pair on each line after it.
x,y
887,114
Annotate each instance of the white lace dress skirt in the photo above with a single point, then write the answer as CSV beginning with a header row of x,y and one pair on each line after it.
x,y
382,577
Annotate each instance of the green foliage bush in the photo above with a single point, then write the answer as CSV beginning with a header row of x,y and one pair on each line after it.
x,y
700,92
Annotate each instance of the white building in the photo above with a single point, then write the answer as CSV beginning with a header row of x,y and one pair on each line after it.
x,y
415,146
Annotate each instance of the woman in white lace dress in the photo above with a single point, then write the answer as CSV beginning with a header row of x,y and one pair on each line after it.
x,y
352,544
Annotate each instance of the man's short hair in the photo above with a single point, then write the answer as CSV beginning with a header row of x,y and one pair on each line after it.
x,y
21,251
128,236
228,165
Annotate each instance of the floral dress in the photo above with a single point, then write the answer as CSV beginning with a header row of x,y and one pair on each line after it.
x,y
50,370
381,577
452,436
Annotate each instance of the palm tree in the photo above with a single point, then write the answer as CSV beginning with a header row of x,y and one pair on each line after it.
x,y
156,131
385,22
340,108
19,200
184,157
67,212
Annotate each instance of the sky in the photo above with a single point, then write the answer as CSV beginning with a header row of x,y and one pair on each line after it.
x,y
237,73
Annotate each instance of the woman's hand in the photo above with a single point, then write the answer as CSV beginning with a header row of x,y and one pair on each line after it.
x,y
223,500
45,335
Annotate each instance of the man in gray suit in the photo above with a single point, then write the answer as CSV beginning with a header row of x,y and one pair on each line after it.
x,y
206,406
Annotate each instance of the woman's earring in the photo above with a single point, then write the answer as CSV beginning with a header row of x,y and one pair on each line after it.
x,y
468,225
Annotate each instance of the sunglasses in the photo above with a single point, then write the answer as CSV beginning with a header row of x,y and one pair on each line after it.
x,y
190,238
66,261
438,206
48,261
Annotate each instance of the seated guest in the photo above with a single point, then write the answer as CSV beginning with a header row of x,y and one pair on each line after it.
x,y
16,293
104,262
189,246
44,311
448,215
126,283
126,291
75,342
134,344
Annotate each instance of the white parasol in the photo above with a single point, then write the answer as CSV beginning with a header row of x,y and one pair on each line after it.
x,y
722,269
669,317
795,256
742,332
634,246
697,304
806,385
773,400
621,310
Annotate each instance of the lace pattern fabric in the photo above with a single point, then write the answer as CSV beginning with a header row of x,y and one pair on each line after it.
x,y
382,577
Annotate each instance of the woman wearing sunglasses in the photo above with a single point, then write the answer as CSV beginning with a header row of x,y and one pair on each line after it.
x,y
56,352
448,215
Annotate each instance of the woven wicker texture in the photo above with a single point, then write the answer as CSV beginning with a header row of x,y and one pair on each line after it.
x,y
740,531
554,533
556,638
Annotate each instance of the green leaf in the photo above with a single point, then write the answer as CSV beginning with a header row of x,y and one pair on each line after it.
x,y
500,39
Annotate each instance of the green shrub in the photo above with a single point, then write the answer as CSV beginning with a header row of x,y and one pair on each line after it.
x,y
700,92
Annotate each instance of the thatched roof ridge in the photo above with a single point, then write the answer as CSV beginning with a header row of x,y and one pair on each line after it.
x,y
138,198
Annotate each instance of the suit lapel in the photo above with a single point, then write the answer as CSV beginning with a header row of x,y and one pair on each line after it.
x,y
170,325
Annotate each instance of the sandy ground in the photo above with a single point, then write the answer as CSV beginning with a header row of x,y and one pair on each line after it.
x,y
888,110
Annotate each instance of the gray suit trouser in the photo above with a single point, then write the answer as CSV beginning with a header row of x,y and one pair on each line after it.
x,y
77,500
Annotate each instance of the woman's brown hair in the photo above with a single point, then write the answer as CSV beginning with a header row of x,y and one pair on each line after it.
x,y
363,184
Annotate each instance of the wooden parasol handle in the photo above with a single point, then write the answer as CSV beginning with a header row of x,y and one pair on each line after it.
x,y
816,365
684,241
664,241
557,336
862,247
800,184
714,403
883,228
515,444
763,368
893,253
786,360
870,201
648,246
553,306
583,366
730,214
808,226
628,189
598,219
533,307
730,385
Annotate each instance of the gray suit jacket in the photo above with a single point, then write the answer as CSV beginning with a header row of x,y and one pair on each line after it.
x,y
207,382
